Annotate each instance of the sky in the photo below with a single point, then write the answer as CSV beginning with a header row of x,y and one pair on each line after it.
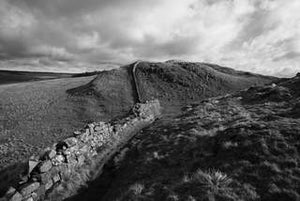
x,y
261,36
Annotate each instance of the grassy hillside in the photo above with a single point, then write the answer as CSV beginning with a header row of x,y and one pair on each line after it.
x,y
113,90
34,115
243,146
172,83
183,82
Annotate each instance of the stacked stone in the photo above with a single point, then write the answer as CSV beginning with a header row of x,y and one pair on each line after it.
x,y
47,170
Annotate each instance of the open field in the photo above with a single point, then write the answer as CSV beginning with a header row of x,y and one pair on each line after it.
x,y
34,115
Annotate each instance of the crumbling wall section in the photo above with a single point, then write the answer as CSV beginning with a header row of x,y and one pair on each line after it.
x,y
79,158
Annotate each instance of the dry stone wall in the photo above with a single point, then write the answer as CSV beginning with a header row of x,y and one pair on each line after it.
x,y
87,151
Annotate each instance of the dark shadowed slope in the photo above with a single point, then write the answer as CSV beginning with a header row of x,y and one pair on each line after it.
x,y
183,82
173,83
243,146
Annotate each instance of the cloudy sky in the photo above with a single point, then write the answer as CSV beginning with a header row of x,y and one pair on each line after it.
x,y
262,36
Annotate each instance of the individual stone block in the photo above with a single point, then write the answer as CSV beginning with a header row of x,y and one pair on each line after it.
x,y
44,178
70,158
85,137
34,196
74,148
66,152
72,141
49,184
91,128
98,128
29,188
58,159
45,166
76,133
50,154
23,179
32,164
40,193
80,159
29,199
56,178
16,197
84,149
10,192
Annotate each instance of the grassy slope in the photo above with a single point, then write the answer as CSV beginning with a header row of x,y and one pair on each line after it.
x,y
243,146
186,82
172,83
9,77
112,90
35,115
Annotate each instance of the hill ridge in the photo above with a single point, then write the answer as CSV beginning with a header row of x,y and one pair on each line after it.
x,y
177,83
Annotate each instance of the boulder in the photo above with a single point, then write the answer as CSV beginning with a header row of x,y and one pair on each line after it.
x,y
266,94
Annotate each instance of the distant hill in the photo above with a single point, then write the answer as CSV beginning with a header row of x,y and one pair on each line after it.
x,y
9,77
172,82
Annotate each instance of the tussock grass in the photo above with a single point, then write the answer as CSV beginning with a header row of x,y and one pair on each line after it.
x,y
212,179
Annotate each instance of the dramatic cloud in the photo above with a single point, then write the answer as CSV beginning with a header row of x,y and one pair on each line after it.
x,y
75,35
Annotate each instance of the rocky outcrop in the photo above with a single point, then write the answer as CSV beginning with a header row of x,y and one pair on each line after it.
x,y
272,93
79,158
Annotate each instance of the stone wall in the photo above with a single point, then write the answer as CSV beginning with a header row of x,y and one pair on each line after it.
x,y
59,171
